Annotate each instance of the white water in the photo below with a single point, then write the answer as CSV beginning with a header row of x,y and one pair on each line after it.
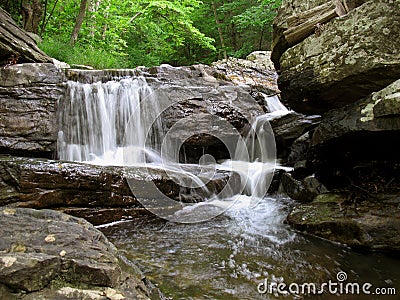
x,y
274,104
117,123
98,119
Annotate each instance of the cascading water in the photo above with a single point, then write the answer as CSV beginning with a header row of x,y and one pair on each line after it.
x,y
98,120
118,123
254,160
274,104
227,257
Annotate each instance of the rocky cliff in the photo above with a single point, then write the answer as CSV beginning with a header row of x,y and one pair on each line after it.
x,y
341,58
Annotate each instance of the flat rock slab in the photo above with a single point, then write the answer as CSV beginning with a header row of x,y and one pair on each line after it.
x,y
50,255
42,183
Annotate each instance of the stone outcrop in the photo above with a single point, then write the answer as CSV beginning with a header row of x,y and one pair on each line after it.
x,y
16,45
28,109
297,20
256,71
354,153
287,128
365,131
50,255
290,10
100,194
347,167
351,57
367,225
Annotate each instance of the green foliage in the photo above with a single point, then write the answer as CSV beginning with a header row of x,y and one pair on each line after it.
x,y
83,55
124,33
246,24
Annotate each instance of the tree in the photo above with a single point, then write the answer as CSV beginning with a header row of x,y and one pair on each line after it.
x,y
79,21
125,33
32,13
217,21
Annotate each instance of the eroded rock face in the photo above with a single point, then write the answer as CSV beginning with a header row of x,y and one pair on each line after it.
x,y
50,255
28,109
351,57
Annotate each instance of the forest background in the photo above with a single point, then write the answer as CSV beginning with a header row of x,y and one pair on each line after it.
x,y
126,33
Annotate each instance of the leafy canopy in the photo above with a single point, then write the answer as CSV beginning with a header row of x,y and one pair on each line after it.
x,y
126,33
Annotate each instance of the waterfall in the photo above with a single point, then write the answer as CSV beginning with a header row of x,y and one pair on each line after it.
x,y
118,123
254,160
99,120
274,104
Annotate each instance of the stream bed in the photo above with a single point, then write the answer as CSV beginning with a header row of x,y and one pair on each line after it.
x,y
236,254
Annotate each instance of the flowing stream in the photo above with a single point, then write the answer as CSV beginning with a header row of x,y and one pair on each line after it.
x,y
232,255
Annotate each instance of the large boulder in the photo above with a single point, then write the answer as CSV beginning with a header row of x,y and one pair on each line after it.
x,y
346,60
16,45
99,194
50,255
298,19
287,17
256,71
28,109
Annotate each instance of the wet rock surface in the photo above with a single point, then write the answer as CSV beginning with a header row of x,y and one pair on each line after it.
x,y
50,255
369,224
100,194
28,109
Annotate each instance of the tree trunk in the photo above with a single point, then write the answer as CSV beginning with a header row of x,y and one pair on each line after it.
x,y
46,19
221,37
79,21
32,13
